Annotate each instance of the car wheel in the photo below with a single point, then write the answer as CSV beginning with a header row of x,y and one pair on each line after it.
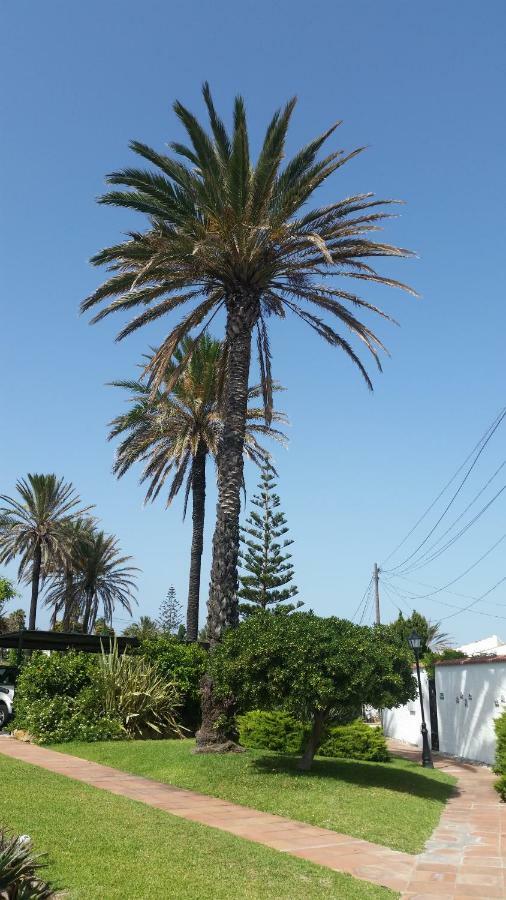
x,y
4,715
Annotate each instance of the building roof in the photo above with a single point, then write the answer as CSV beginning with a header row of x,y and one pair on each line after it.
x,y
471,661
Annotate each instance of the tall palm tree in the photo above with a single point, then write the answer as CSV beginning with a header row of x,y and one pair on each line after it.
x,y
225,233
32,526
175,432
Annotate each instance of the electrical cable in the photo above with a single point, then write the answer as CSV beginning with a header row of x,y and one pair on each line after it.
x,y
454,523
364,595
415,567
469,569
456,594
478,448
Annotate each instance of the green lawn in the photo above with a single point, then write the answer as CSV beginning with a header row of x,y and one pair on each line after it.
x,y
103,847
397,804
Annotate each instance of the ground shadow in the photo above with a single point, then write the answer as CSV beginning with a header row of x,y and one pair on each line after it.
x,y
362,774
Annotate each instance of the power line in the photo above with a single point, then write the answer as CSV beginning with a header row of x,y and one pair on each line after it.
x,y
364,595
477,449
456,594
426,559
459,577
368,598
478,600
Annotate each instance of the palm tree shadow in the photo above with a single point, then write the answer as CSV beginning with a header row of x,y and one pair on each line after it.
x,y
363,774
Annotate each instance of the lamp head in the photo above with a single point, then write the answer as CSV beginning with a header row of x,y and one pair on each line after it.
x,y
415,641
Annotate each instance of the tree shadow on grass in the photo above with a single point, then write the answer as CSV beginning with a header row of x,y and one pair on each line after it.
x,y
363,774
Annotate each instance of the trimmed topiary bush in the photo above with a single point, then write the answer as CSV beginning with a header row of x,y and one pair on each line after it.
x,y
274,730
279,731
356,741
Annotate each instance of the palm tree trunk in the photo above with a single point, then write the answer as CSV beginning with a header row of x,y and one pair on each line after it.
x,y
199,506
87,612
223,607
37,563
67,612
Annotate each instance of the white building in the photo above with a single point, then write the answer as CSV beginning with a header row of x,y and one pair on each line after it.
x,y
492,645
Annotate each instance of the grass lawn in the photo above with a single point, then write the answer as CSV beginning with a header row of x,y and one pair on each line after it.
x,y
397,804
102,847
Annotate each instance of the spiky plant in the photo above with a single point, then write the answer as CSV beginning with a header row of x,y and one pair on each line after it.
x,y
19,870
226,233
32,527
174,433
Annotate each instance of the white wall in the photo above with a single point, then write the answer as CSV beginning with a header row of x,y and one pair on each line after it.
x,y
404,722
466,727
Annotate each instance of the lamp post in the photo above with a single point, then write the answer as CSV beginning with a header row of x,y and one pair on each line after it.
x,y
415,642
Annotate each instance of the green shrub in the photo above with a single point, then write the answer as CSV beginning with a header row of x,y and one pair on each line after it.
x,y
58,675
279,731
184,665
19,870
133,691
274,730
500,755
356,741
57,700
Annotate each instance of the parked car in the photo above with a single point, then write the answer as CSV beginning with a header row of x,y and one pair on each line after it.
x,y
8,676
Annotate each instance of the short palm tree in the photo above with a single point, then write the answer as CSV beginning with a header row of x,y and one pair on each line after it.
x,y
175,432
32,527
144,629
60,593
102,578
226,233
96,575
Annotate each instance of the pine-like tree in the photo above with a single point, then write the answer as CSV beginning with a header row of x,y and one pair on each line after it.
x,y
170,617
265,582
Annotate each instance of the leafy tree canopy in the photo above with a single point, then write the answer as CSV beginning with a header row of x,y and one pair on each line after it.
x,y
433,639
312,667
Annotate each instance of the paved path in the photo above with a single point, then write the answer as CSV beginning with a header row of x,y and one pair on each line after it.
x,y
465,857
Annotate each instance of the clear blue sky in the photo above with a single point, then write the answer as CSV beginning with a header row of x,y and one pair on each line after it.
x,y
423,86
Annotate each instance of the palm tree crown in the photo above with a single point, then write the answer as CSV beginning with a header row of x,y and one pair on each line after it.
x,y
221,228
166,431
33,527
102,578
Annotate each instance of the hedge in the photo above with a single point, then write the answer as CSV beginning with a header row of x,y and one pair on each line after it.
x,y
280,732
500,755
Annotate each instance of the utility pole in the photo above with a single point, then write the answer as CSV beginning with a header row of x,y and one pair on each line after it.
x,y
375,575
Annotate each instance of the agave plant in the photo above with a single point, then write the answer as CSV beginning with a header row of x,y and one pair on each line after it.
x,y
19,868
133,691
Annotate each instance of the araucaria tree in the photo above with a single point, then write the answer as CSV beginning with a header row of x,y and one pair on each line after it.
x,y
266,579
34,527
175,432
170,617
225,233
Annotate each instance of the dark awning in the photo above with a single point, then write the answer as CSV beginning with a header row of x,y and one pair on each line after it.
x,y
65,640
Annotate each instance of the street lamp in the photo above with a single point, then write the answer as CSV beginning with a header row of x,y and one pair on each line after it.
x,y
415,642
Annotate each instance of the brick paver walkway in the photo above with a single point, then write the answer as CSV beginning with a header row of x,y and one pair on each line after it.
x,y
464,858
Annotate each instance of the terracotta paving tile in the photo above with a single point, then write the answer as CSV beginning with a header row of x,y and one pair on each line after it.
x,y
464,858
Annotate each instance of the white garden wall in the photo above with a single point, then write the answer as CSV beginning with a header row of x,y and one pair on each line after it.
x,y
404,722
470,695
